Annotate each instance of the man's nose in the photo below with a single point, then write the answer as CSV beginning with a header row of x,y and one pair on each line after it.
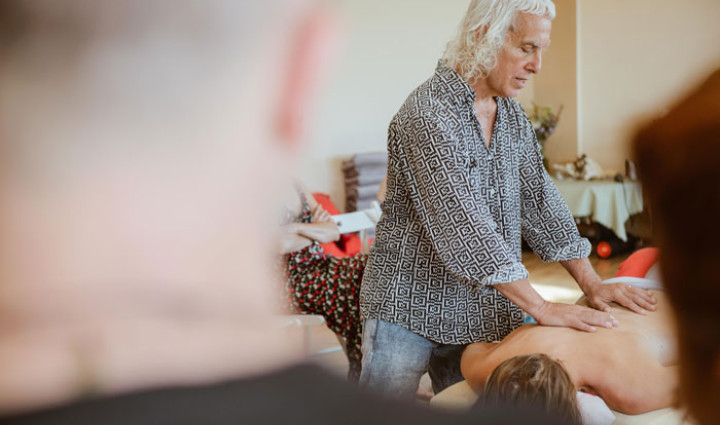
x,y
535,63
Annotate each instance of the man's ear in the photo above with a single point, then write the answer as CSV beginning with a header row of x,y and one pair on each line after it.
x,y
313,47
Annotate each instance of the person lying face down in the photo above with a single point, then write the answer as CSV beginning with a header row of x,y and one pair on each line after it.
x,y
631,367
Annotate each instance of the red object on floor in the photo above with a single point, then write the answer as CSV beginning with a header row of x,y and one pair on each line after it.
x,y
638,264
348,244
603,250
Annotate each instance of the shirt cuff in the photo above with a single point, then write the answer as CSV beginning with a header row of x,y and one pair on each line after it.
x,y
579,248
507,274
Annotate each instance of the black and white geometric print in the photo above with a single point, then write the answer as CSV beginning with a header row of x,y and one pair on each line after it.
x,y
454,213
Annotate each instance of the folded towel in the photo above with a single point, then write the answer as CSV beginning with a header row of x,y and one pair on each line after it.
x,y
363,174
593,410
362,192
352,170
349,166
370,158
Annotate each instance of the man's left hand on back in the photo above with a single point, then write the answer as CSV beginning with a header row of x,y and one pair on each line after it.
x,y
639,300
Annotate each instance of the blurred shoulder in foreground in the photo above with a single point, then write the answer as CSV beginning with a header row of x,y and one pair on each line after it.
x,y
679,161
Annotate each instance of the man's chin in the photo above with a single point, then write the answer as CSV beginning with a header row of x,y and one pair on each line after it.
x,y
514,90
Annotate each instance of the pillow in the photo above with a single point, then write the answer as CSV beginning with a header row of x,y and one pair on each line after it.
x,y
593,410
348,244
324,200
638,264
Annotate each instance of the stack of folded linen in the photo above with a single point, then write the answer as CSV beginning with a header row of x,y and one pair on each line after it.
x,y
363,174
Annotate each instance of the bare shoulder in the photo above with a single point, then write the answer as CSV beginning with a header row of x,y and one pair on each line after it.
x,y
480,359
476,352
477,363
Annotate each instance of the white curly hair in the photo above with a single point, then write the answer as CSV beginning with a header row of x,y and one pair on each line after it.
x,y
474,57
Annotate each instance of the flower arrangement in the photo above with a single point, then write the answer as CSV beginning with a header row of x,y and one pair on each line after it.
x,y
544,122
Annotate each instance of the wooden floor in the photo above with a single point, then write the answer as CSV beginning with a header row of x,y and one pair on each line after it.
x,y
550,279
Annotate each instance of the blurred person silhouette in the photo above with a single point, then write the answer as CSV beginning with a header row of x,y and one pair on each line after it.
x,y
678,159
134,252
317,282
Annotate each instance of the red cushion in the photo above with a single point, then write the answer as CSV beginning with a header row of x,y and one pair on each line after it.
x,y
348,244
353,245
333,249
638,264
324,200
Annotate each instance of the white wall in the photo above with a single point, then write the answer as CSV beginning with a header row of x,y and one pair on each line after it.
x,y
633,57
636,56
556,85
391,46
613,64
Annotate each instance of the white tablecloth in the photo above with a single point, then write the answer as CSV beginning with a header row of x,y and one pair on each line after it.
x,y
607,202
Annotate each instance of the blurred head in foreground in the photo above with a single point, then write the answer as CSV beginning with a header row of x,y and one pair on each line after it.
x,y
679,161
533,380
133,230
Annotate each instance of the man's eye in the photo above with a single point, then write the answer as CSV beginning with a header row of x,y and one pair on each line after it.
x,y
527,49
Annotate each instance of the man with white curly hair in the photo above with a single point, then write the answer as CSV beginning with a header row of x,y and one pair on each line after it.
x,y
465,184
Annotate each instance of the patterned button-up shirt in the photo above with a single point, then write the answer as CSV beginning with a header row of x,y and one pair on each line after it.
x,y
454,214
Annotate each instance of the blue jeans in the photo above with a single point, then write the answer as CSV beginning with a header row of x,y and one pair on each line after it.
x,y
394,360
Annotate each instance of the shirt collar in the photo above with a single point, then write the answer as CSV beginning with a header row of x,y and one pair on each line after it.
x,y
454,83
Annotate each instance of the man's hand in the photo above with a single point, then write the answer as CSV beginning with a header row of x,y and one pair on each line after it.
x,y
600,295
573,316
554,314
638,300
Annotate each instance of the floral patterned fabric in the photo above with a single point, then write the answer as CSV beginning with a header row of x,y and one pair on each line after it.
x,y
322,284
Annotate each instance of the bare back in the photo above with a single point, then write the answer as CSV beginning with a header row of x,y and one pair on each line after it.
x,y
631,366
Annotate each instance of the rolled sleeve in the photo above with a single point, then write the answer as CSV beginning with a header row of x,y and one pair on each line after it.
x,y
579,248
511,273
461,229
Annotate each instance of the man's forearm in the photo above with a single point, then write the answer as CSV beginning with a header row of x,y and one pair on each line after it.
x,y
554,314
582,271
523,295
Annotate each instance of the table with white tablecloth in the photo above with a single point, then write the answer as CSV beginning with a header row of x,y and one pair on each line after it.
x,y
606,202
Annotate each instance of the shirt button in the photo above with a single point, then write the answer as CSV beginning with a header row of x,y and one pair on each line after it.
x,y
490,157
492,191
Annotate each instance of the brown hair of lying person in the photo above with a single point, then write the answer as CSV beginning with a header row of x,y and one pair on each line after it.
x,y
678,160
534,380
